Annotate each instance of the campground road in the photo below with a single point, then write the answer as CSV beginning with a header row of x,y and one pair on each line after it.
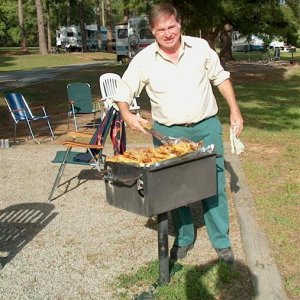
x,y
23,78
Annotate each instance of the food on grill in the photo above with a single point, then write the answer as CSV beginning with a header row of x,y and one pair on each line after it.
x,y
149,155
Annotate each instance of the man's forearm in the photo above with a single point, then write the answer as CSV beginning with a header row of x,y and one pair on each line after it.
x,y
124,108
226,89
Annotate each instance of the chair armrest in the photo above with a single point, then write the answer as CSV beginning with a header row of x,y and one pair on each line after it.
x,y
19,109
74,134
84,145
36,107
105,99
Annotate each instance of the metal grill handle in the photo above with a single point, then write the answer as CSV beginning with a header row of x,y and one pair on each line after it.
x,y
128,181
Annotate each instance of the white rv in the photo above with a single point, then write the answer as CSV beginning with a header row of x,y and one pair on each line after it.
x,y
241,43
70,37
132,36
92,36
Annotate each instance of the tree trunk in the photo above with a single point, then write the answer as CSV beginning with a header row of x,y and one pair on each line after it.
x,y
68,13
103,12
82,26
48,25
109,26
226,43
99,38
22,27
41,28
210,37
125,15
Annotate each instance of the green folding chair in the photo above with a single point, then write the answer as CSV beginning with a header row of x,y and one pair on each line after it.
x,y
81,102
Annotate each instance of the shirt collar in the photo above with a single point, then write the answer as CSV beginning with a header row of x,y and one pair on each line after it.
x,y
184,43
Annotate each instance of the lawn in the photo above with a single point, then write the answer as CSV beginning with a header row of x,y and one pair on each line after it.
x,y
13,60
269,99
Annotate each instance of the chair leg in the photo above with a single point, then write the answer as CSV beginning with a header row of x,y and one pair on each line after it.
x,y
94,120
74,117
95,161
51,131
68,122
31,132
75,123
15,133
59,174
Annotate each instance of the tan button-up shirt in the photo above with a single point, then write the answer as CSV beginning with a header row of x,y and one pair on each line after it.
x,y
179,93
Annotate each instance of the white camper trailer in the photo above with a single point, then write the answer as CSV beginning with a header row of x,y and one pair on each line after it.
x,y
132,36
241,43
92,36
70,36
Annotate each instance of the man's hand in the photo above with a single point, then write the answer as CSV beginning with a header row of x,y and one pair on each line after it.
x,y
236,119
132,120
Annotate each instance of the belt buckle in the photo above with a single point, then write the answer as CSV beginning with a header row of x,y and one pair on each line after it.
x,y
189,124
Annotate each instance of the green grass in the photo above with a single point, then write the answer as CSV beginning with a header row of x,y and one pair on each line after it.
x,y
271,109
255,56
17,50
215,281
12,60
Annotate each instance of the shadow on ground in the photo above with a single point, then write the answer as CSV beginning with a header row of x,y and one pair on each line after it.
x,y
19,224
210,281
198,219
231,281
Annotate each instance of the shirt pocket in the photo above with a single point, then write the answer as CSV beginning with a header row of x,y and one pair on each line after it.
x,y
162,79
195,75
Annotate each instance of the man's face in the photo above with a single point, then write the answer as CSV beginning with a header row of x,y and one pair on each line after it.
x,y
167,32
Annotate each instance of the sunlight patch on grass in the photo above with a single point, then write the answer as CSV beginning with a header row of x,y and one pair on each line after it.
x,y
10,63
190,282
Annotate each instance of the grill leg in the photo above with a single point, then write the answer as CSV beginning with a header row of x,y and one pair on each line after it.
x,y
163,249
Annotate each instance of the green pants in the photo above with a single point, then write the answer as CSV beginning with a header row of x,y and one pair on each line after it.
x,y
215,208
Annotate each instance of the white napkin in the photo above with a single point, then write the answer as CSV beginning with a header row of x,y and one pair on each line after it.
x,y
237,147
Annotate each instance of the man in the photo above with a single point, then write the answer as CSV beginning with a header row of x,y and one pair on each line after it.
x,y
176,71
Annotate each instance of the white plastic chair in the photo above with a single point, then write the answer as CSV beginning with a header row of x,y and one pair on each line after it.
x,y
108,87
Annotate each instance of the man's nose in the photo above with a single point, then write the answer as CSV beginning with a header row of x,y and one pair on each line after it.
x,y
167,32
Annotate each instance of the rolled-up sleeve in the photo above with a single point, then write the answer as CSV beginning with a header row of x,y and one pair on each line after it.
x,y
130,85
216,72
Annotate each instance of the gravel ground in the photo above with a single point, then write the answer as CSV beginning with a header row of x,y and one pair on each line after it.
x,y
76,246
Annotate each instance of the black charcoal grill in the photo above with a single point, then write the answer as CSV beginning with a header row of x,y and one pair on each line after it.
x,y
159,188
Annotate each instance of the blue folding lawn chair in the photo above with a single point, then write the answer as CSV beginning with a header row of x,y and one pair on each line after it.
x,y
93,155
21,113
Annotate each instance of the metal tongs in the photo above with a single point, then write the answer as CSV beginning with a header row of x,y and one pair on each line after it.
x,y
169,140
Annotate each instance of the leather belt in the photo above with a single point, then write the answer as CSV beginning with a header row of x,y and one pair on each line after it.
x,y
188,124
192,124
